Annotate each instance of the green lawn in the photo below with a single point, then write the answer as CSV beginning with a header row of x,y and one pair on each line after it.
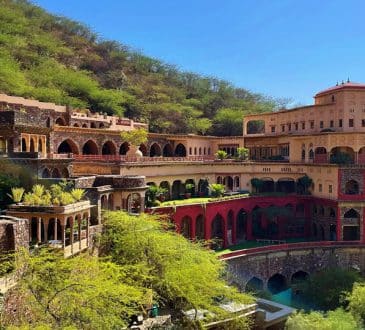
x,y
200,200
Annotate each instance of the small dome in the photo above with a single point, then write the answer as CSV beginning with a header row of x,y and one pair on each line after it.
x,y
139,153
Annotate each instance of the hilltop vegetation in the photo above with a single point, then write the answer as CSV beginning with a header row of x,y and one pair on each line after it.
x,y
52,58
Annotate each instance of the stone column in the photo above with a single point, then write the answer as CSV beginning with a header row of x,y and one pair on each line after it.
x,y
72,235
225,233
79,232
63,230
45,226
39,230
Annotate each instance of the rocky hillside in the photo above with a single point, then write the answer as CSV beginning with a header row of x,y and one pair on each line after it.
x,y
52,58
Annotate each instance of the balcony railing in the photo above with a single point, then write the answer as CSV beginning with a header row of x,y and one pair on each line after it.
x,y
290,246
133,159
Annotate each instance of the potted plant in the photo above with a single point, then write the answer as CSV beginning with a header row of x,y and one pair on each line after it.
x,y
189,189
221,154
217,189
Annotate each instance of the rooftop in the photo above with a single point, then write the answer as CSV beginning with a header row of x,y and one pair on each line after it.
x,y
346,85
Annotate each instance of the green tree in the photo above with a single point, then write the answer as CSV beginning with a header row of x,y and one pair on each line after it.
x,y
80,293
324,296
180,273
356,301
338,319
228,122
135,137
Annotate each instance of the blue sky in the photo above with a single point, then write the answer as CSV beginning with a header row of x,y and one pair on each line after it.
x,y
282,48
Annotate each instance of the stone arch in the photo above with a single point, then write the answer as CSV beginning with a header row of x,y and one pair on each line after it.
x,y
268,185
277,283
228,181
333,232
56,173
101,125
219,179
167,150
134,203
241,225
155,150
200,227
180,150
311,154
24,145
104,202
143,149
255,284
257,230
92,125
85,126
60,121
90,148
68,146
46,173
166,185
191,190
352,187
299,276
236,182
186,224
76,125
351,225
109,148
286,185
230,229
32,145
217,227
342,155
124,148
177,189
203,187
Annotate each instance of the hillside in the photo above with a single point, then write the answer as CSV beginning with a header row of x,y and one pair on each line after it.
x,y
52,58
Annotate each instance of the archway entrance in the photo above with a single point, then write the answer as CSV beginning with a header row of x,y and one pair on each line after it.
x,y
277,283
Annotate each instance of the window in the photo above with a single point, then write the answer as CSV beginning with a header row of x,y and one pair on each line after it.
x,y
190,151
320,187
340,123
289,127
283,128
296,126
333,98
321,124
363,122
272,129
331,123
330,189
351,122
312,124
303,125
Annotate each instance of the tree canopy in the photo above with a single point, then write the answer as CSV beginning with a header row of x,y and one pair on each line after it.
x,y
54,59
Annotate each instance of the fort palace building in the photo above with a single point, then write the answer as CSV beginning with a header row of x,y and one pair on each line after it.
x,y
324,142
